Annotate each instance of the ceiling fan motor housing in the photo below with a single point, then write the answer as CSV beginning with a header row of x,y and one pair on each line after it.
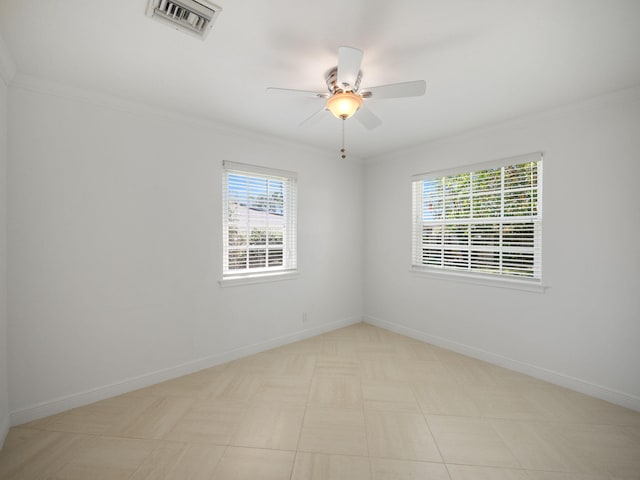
x,y
334,87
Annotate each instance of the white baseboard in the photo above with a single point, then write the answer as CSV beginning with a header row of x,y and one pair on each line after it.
x,y
557,378
4,430
80,399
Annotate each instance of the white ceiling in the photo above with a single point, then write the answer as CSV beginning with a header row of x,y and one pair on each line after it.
x,y
484,61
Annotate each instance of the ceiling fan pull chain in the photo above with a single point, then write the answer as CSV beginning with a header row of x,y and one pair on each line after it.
x,y
342,149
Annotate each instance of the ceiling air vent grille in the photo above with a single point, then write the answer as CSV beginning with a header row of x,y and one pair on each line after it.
x,y
189,16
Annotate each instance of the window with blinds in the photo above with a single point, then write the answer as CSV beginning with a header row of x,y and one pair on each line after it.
x,y
486,219
259,220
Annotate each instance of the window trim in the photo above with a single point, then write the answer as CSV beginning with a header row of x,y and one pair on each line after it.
x,y
478,278
511,283
264,277
289,268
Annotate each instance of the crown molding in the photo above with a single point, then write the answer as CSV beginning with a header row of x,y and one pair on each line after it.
x,y
621,96
53,88
7,65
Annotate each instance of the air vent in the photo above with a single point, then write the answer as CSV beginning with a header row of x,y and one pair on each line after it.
x,y
189,16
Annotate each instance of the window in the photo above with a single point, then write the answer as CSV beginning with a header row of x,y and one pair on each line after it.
x,y
484,220
259,220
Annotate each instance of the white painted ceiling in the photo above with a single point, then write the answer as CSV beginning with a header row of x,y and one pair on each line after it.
x,y
484,61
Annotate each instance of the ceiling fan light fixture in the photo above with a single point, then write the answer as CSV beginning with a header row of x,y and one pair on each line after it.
x,y
344,104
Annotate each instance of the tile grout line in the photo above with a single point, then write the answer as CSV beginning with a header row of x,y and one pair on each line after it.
x,y
304,415
424,418
435,442
364,417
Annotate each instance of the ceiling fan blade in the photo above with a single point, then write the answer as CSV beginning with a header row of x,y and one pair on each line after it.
x,y
299,93
349,60
395,90
367,118
313,119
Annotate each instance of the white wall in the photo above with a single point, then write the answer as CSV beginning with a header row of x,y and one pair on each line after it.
x,y
115,233
584,331
6,72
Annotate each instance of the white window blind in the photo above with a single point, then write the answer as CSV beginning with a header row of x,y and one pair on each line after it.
x,y
486,219
259,220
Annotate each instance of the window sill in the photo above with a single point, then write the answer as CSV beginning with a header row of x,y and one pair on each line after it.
x,y
257,278
478,279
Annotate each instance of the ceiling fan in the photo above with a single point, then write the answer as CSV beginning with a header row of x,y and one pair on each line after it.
x,y
345,97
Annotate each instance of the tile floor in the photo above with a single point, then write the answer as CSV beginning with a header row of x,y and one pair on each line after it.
x,y
356,403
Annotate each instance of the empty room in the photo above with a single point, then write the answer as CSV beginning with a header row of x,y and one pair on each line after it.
x,y
294,240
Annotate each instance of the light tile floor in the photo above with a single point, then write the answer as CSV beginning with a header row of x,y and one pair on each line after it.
x,y
356,403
